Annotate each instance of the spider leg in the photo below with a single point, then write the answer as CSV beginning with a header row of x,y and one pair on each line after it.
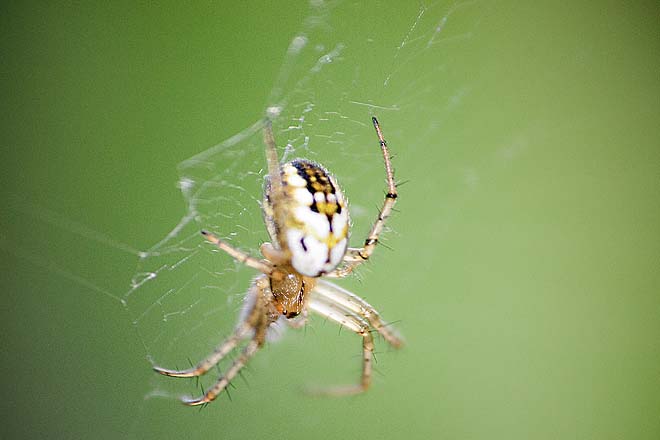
x,y
241,331
350,301
262,266
343,317
272,159
239,363
220,352
258,319
356,256
273,255
274,174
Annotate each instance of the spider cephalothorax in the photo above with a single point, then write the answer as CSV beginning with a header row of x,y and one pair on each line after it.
x,y
307,218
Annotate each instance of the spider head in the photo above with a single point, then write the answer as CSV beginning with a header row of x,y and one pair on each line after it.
x,y
290,290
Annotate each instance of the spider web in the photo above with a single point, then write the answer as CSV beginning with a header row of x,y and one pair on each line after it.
x,y
185,296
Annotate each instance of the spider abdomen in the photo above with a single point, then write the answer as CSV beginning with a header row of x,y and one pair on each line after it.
x,y
314,223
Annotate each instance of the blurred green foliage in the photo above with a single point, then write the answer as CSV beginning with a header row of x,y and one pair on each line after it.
x,y
524,271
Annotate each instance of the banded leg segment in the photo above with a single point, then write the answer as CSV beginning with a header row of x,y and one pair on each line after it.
x,y
218,354
223,381
345,318
356,256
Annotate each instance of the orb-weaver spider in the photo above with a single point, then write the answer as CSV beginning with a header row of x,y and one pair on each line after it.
x,y
307,219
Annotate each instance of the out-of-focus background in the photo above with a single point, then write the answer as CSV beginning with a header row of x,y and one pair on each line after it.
x,y
522,265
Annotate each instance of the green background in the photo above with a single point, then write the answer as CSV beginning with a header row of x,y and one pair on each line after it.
x,y
525,253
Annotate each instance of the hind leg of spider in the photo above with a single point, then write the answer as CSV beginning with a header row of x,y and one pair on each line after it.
x,y
345,318
253,316
220,352
348,300
250,349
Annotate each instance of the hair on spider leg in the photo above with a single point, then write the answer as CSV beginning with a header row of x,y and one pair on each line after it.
x,y
325,320
203,405
378,371
201,388
247,368
240,373
388,247
380,337
390,323
373,355
309,325
381,218
400,183
217,367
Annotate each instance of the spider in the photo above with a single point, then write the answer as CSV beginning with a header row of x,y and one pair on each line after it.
x,y
307,219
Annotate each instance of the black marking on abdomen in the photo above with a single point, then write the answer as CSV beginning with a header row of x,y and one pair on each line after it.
x,y
316,178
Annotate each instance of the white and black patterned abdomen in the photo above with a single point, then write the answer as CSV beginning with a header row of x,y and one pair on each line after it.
x,y
315,221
